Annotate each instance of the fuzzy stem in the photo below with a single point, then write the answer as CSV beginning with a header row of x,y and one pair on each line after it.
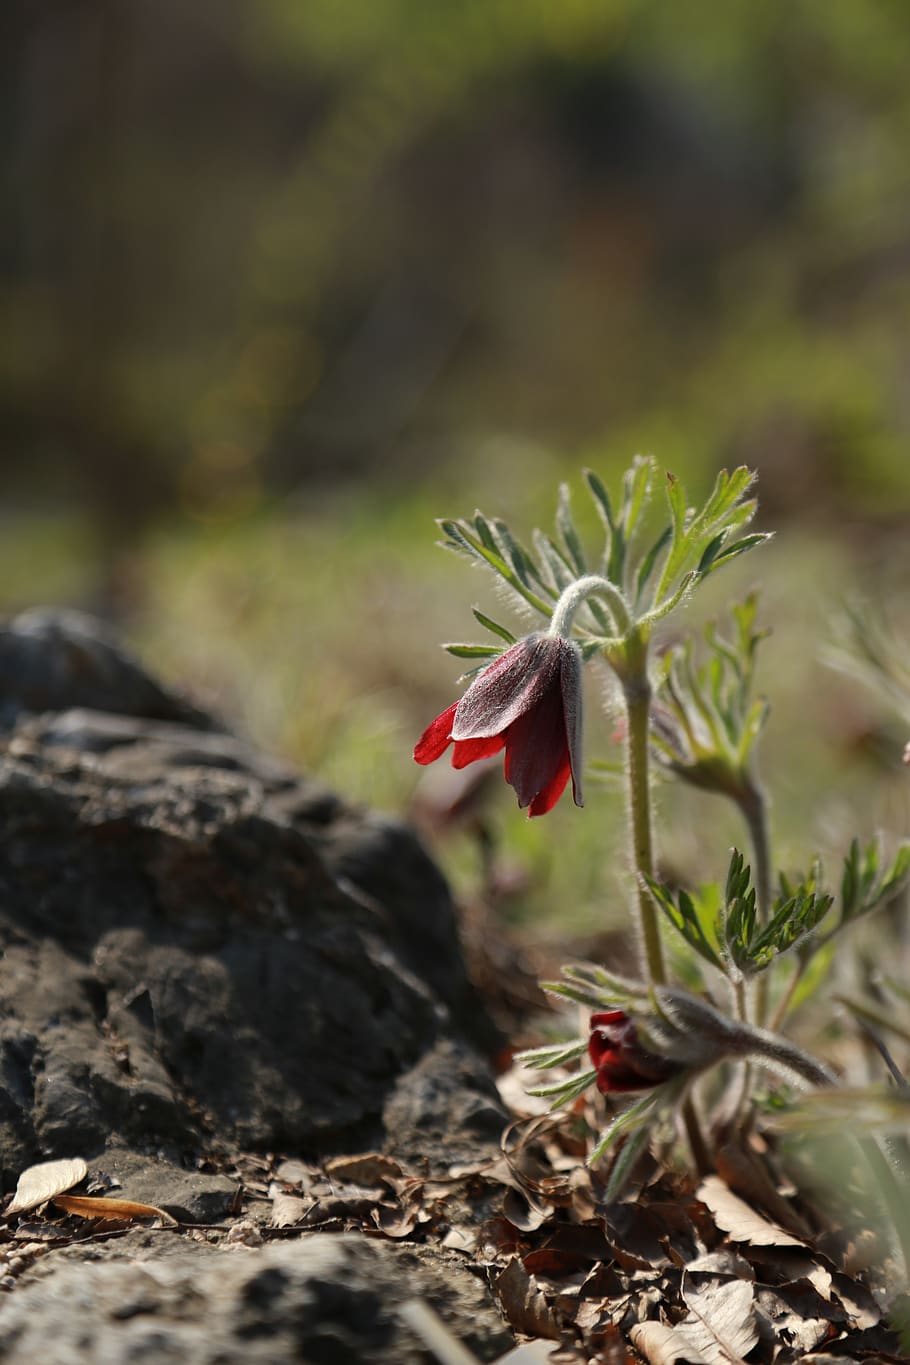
x,y
776,1049
704,1164
637,694
592,585
754,807
784,1003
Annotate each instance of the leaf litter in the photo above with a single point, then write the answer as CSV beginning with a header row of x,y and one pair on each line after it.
x,y
709,1272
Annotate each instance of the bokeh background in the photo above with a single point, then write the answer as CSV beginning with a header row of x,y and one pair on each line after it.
x,y
282,281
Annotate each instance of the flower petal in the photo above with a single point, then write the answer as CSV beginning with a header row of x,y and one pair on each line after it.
x,y
513,685
545,800
466,751
570,683
536,750
437,737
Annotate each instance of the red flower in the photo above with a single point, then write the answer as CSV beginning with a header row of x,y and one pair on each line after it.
x,y
528,702
622,1062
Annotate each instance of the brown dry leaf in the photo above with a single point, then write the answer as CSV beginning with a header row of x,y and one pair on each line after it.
x,y
288,1210
370,1169
747,1175
719,1329
91,1206
293,1172
524,1211
40,1183
792,1320
461,1239
523,1302
662,1345
738,1219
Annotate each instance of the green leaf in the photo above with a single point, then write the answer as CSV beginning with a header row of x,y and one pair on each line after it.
x,y
561,573
685,919
647,564
601,499
581,995
564,1092
472,651
737,548
676,497
636,1115
558,1055
636,487
565,525
617,988
493,626
473,541
625,1163
515,553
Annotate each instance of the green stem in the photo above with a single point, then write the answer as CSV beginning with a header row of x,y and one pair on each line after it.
x,y
637,693
784,1004
591,585
754,807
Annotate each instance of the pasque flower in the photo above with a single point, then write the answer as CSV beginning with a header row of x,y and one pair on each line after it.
x,y
528,702
621,1060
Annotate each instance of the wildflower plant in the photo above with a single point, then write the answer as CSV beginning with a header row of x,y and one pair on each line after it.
x,y
691,714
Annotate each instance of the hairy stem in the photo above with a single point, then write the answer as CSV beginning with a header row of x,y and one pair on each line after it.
x,y
786,999
754,807
704,1163
779,1051
574,596
637,693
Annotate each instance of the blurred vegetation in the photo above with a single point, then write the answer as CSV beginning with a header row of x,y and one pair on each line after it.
x,y
279,283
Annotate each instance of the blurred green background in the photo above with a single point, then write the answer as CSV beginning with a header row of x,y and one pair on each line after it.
x,y
282,281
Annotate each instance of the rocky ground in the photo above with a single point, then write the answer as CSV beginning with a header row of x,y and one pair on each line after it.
x,y
243,1002
205,957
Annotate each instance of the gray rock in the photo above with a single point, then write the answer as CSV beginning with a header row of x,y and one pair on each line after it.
x,y
199,946
326,1300
202,952
52,659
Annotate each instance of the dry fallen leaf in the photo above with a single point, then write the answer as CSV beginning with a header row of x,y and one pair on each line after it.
x,y
370,1169
523,1302
719,1329
40,1183
738,1219
91,1206
288,1209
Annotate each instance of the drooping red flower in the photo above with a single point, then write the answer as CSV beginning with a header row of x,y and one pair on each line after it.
x,y
527,702
622,1062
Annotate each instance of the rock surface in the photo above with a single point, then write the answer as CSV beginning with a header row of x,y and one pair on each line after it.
x,y
204,953
326,1300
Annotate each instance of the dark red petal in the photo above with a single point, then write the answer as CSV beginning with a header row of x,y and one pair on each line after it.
x,y
466,751
612,1079
536,752
437,737
608,1017
547,799
511,687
